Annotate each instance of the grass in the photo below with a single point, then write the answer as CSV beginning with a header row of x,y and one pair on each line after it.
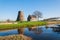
x,y
22,25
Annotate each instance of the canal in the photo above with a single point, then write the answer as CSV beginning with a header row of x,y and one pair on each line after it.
x,y
37,33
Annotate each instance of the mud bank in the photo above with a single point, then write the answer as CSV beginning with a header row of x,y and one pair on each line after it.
x,y
15,37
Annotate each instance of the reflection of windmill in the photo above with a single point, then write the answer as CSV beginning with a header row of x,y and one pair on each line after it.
x,y
20,16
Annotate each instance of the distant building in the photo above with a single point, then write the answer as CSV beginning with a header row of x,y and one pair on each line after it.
x,y
31,18
20,16
52,19
8,21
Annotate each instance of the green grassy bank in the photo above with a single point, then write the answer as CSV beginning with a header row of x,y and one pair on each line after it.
x,y
22,25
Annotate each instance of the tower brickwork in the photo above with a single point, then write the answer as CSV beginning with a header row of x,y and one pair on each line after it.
x,y
20,16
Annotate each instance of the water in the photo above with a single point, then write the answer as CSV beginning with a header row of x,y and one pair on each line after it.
x,y
10,32
39,33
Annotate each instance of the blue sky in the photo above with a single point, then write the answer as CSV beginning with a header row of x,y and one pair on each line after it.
x,y
9,8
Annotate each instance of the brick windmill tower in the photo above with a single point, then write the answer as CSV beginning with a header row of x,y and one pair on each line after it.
x,y
20,16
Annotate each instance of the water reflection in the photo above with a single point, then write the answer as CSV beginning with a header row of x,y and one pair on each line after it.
x,y
56,29
10,32
38,33
43,33
36,30
20,30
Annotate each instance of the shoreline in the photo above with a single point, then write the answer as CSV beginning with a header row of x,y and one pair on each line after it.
x,y
7,30
15,37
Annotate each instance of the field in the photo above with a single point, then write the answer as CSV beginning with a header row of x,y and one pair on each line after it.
x,y
22,25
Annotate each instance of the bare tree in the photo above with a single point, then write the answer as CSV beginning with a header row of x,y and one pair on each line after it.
x,y
8,20
38,14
